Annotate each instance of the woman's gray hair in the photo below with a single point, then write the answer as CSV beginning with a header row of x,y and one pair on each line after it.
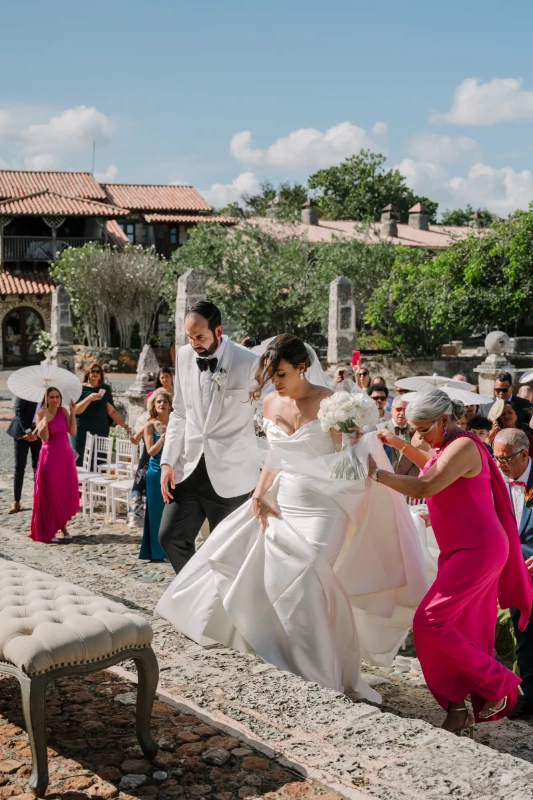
x,y
431,405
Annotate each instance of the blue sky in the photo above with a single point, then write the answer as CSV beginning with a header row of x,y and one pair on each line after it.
x,y
222,95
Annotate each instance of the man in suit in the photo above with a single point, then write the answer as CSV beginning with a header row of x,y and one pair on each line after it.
x,y
21,429
209,464
398,427
503,390
511,452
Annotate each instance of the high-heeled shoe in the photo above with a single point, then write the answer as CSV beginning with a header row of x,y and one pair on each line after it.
x,y
500,711
467,728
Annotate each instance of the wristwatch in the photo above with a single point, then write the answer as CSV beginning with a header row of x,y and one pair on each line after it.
x,y
375,476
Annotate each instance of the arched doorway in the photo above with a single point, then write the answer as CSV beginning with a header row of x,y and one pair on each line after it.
x,y
20,328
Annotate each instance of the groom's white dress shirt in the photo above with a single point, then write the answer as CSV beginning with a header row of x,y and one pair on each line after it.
x,y
207,384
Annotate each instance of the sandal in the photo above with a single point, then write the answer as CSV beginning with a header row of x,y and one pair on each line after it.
x,y
467,728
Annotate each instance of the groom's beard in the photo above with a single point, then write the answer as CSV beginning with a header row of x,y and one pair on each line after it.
x,y
205,353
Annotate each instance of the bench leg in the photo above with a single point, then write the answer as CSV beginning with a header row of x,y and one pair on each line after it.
x,y
33,692
148,671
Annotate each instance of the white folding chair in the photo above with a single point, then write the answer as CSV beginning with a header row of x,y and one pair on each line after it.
x,y
99,494
87,461
102,452
126,465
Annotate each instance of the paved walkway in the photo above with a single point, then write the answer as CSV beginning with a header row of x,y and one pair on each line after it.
x,y
395,753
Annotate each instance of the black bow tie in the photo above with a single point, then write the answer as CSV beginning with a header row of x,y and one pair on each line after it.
x,y
207,363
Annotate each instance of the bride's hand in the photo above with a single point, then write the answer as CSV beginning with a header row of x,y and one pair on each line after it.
x,y
262,510
354,435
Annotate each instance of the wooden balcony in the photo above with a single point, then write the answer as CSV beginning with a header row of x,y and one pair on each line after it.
x,y
38,248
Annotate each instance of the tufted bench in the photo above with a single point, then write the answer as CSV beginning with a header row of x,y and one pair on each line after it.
x,y
50,628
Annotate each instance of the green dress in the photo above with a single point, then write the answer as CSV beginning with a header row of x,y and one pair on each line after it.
x,y
93,420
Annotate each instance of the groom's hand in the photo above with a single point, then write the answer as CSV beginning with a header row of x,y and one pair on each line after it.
x,y
167,480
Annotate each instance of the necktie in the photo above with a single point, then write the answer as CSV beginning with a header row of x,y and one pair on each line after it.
x,y
517,483
207,363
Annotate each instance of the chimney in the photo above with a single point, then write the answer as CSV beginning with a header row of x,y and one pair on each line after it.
x,y
309,213
389,221
418,217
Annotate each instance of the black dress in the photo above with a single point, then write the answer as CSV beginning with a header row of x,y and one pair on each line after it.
x,y
94,419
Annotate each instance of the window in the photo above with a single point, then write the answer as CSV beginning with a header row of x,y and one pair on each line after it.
x,y
129,230
174,236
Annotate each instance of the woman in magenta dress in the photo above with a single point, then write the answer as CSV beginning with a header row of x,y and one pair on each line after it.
x,y
56,497
480,564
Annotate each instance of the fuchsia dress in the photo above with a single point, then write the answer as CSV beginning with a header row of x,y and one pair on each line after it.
x,y
56,497
480,563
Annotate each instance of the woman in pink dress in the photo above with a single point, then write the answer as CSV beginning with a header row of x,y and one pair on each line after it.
x,y
480,564
56,496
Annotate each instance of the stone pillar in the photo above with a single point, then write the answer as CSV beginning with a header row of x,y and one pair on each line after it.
x,y
191,289
341,327
147,369
61,330
497,344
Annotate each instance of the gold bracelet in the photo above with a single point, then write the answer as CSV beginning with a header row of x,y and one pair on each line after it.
x,y
404,446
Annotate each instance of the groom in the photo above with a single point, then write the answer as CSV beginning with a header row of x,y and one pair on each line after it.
x,y
208,468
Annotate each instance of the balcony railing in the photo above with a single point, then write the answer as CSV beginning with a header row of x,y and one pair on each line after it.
x,y
38,248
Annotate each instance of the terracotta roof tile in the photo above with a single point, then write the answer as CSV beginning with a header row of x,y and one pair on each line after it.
x,y
17,183
22,282
155,198
51,203
115,234
190,218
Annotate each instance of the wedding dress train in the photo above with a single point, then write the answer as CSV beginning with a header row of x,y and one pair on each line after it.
x,y
335,580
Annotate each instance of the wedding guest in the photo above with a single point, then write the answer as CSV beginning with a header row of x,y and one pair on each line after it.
x,y
503,390
56,497
526,393
511,452
399,389
362,378
343,379
480,563
461,423
164,381
470,411
481,426
509,418
25,440
94,409
159,408
398,428
380,394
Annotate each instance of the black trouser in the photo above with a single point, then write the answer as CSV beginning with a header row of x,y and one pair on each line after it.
x,y
22,447
195,500
524,655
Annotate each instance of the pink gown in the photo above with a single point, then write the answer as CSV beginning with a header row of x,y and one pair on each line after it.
x,y
56,497
480,563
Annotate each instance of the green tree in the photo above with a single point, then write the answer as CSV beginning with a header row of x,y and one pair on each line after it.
x,y
289,199
464,216
360,187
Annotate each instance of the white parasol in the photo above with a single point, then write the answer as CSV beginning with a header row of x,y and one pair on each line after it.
x,y
454,393
424,383
527,376
30,383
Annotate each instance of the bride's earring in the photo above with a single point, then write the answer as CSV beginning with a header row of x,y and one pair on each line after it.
x,y
301,376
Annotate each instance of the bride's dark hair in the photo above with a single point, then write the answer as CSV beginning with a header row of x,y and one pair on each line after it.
x,y
285,347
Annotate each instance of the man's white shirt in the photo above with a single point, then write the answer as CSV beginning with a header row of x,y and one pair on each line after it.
x,y
518,494
207,384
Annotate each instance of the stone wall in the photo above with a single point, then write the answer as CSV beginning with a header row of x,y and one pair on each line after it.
x,y
41,304
116,359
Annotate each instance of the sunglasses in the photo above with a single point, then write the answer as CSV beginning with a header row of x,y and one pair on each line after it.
x,y
95,372
379,397
364,374
402,391
507,459
502,389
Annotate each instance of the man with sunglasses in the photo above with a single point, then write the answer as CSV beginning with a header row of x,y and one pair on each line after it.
x,y
511,452
380,394
503,390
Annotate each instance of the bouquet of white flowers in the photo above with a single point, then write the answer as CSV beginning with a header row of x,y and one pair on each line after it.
x,y
344,411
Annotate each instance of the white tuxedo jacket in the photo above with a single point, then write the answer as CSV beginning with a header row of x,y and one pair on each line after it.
x,y
226,437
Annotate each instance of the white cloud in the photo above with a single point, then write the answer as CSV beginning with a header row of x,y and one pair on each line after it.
x,y
75,129
380,129
108,176
5,119
41,161
476,103
434,147
3,164
220,194
501,190
305,148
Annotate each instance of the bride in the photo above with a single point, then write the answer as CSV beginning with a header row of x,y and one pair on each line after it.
x,y
314,573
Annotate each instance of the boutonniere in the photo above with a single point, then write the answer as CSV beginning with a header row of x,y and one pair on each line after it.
x,y
219,378
529,495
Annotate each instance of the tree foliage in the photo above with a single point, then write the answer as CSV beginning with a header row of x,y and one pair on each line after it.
x,y
483,281
104,282
464,217
360,188
288,198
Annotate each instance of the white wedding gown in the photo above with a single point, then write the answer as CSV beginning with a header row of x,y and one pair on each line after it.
x,y
335,580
